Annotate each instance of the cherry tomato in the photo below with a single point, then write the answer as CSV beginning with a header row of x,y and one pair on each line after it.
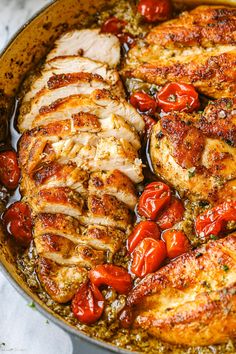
x,y
143,102
142,230
9,170
172,215
176,243
18,222
88,304
213,221
149,123
178,97
155,196
148,256
111,275
155,10
113,25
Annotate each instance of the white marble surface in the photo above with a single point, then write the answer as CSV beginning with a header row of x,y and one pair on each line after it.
x,y
23,329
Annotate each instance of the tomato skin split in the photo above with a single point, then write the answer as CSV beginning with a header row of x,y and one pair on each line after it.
x,y
9,170
18,222
178,97
173,214
88,304
154,198
176,243
111,275
142,230
148,256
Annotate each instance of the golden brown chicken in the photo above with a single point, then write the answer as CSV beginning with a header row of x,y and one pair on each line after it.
x,y
199,48
192,300
197,153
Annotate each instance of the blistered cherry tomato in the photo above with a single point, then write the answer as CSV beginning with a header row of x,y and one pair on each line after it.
x,y
176,243
178,97
143,102
154,198
155,10
9,170
149,123
18,222
148,256
173,214
111,275
88,304
213,221
142,230
113,25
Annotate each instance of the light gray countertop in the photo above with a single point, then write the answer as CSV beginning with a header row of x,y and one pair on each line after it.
x,y
22,328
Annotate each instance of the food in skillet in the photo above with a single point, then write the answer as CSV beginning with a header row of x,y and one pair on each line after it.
x,y
81,173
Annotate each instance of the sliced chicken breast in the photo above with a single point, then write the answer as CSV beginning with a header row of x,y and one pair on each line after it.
x,y
113,183
89,43
64,252
101,103
60,282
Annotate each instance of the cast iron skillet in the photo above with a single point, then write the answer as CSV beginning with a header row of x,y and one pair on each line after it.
x,y
22,54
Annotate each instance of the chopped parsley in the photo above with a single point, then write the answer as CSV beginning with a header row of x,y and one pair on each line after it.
x,y
199,254
225,267
32,305
213,237
172,98
229,104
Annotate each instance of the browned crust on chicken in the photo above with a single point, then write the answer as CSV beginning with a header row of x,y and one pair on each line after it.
x,y
204,26
192,300
60,282
61,80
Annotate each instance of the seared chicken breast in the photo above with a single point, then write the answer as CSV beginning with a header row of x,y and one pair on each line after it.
x,y
192,300
196,153
196,48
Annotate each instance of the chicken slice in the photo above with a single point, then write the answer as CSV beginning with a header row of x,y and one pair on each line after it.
x,y
64,252
62,200
62,86
60,282
192,300
113,183
100,102
109,154
107,211
89,43
69,65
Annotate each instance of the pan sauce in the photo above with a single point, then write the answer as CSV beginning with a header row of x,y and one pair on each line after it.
x,y
108,328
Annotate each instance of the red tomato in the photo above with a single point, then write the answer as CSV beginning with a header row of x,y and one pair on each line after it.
x,y
9,170
148,256
149,123
172,215
111,275
142,230
113,25
88,304
178,97
155,10
155,196
176,243
18,222
213,221
143,102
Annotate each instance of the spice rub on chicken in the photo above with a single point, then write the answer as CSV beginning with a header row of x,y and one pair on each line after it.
x,y
198,48
196,153
79,159
192,300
